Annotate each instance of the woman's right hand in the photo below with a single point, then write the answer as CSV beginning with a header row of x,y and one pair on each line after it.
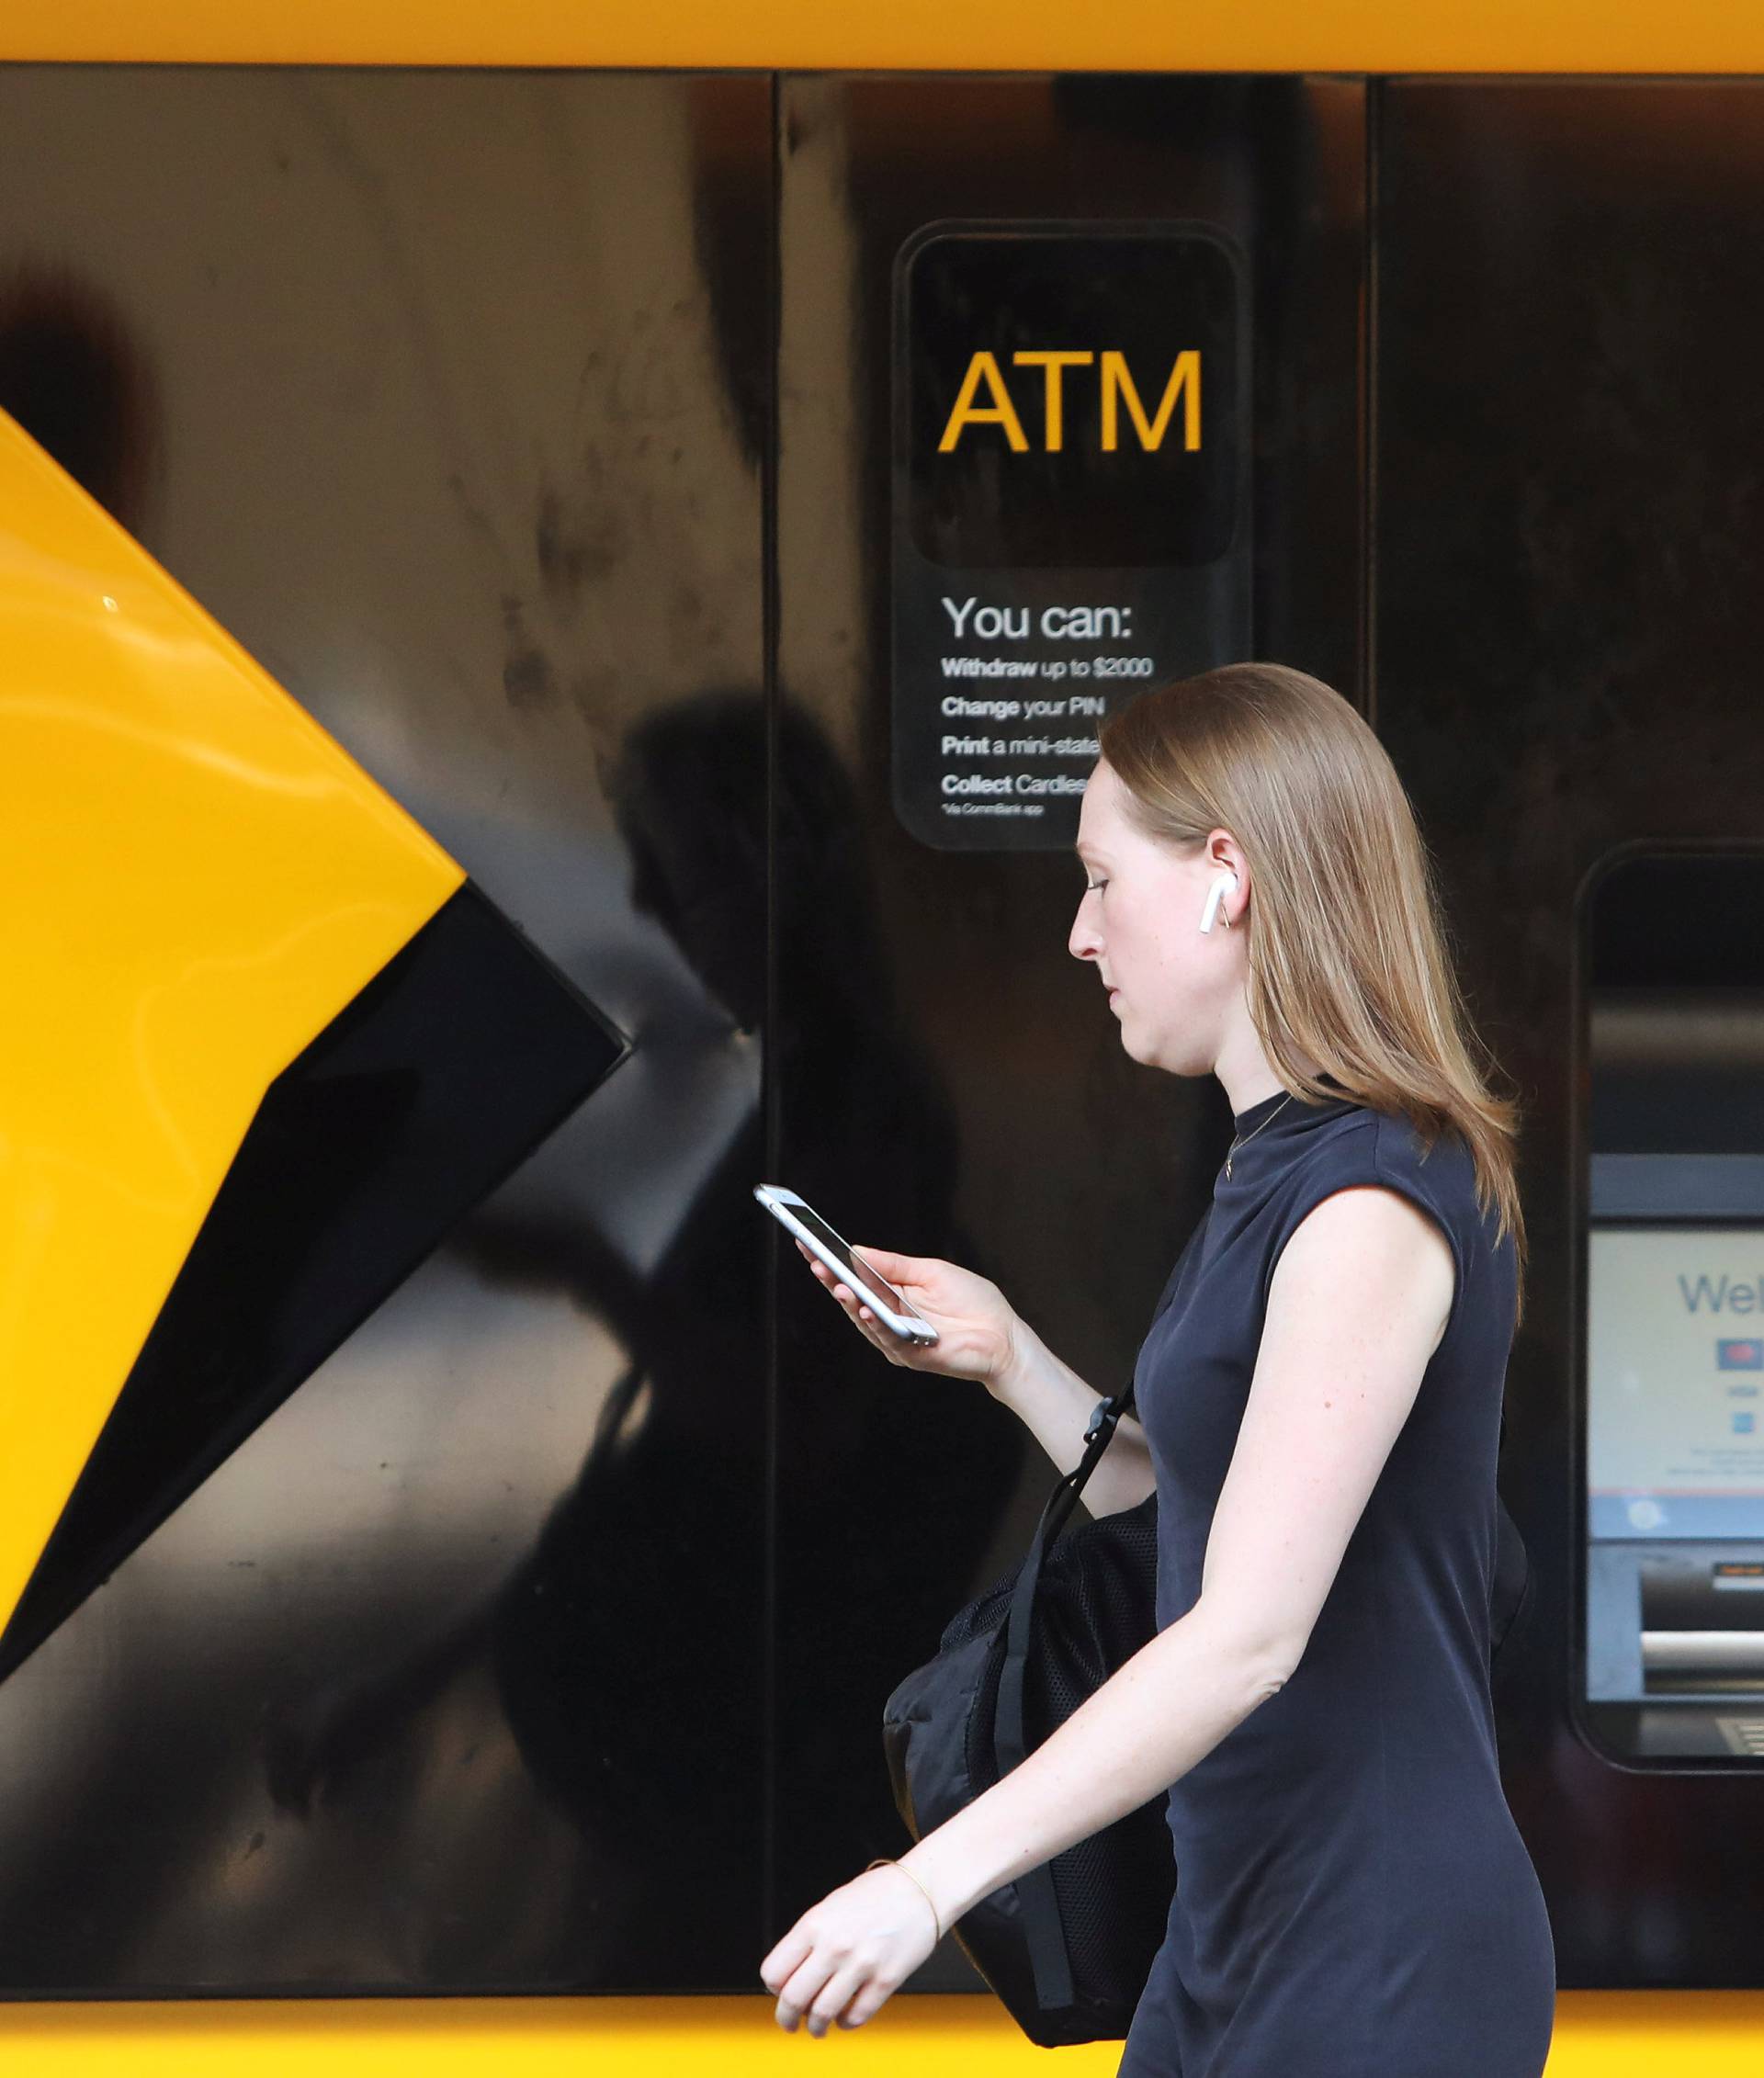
x,y
977,1327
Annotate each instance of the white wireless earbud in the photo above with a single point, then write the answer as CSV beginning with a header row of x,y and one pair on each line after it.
x,y
1224,884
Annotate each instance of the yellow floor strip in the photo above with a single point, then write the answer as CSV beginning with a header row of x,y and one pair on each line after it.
x,y
1597,2035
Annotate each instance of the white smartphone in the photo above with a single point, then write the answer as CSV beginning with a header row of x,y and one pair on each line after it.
x,y
887,1304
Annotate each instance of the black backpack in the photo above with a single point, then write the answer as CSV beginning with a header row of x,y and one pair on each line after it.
x,y
1069,1945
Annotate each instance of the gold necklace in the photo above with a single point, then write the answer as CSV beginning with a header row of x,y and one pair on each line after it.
x,y
1272,1116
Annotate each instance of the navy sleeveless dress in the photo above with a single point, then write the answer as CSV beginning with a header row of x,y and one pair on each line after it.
x,y
1354,1899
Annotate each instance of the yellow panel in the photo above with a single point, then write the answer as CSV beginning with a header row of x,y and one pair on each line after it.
x,y
194,880
1144,35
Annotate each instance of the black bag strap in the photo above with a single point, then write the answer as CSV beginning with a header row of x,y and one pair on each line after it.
x,y
1042,1929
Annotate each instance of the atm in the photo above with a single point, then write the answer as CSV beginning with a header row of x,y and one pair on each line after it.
x,y
1673,1630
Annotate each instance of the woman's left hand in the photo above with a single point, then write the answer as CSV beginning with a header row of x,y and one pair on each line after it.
x,y
845,1956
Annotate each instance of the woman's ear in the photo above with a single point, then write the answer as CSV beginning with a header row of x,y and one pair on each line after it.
x,y
1225,855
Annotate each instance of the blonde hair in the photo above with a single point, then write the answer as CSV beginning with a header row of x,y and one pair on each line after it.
x,y
1348,948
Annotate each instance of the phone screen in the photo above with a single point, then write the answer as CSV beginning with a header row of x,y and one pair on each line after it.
x,y
862,1273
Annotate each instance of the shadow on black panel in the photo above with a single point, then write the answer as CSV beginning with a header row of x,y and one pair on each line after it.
x,y
78,382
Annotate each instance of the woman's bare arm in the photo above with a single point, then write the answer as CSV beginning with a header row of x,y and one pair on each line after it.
x,y
1055,1404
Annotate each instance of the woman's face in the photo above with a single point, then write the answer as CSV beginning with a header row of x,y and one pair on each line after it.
x,y
1139,919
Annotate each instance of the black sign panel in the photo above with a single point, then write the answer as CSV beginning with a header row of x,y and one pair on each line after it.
x,y
1071,517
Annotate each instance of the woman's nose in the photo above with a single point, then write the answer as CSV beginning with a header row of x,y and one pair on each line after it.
x,y
1082,943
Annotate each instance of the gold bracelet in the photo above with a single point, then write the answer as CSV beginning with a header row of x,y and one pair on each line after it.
x,y
882,1861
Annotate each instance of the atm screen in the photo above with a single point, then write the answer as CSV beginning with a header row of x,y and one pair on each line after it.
x,y
1675,1382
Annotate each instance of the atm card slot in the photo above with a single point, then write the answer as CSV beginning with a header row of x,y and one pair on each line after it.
x,y
1702,1659
1703,1628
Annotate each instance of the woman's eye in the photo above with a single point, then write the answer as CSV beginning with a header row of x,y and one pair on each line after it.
x,y
1094,887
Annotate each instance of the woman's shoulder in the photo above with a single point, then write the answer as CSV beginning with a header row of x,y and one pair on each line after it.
x,y
1389,1147
1439,1151
1365,1143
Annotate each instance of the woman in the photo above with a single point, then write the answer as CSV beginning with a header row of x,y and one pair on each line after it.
x,y
1320,1398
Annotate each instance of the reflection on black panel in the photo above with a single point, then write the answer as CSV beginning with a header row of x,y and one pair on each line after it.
x,y
451,1676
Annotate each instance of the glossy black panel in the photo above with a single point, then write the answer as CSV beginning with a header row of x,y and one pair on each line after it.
x,y
448,394
456,1060
950,1081
1569,627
